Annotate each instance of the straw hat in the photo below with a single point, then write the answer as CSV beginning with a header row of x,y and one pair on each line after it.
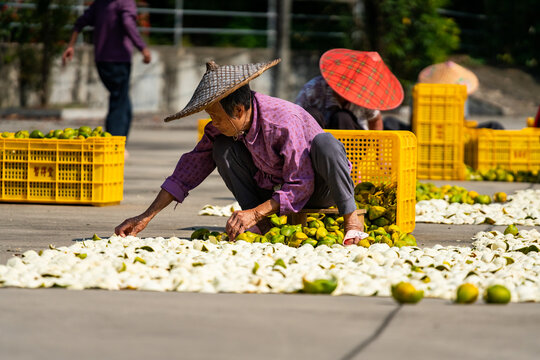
x,y
449,73
362,78
218,82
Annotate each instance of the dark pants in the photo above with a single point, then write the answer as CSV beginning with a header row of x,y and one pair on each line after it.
x,y
333,183
115,77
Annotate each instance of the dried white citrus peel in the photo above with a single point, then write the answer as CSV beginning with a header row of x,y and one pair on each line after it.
x,y
173,264
523,208
214,210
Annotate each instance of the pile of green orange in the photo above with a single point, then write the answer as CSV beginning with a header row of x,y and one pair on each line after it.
x,y
321,229
455,194
83,132
499,174
379,201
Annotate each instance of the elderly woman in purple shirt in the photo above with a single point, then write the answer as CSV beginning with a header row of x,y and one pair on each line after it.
x,y
271,154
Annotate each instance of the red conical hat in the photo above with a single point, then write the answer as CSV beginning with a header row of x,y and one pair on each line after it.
x,y
362,78
449,73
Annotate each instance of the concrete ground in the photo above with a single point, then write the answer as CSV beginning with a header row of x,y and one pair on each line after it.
x,y
90,324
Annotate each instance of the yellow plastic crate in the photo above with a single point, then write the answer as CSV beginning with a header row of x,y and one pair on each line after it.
x,y
89,171
200,127
385,157
438,118
507,149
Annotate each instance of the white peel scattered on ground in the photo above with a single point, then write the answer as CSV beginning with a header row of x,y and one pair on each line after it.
x,y
174,264
523,208
214,210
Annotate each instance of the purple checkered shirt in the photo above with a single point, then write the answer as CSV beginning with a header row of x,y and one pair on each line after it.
x,y
279,141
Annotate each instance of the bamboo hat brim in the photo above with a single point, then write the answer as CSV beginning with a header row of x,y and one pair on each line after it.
x,y
218,82
449,73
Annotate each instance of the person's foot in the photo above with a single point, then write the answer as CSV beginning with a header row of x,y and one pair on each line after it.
x,y
353,237
354,229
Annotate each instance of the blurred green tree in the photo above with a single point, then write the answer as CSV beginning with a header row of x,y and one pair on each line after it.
x,y
513,33
500,32
40,34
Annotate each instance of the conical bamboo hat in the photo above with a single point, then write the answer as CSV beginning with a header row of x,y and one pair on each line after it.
x,y
218,82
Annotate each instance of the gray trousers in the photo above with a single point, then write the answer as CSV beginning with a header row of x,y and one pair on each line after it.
x,y
333,183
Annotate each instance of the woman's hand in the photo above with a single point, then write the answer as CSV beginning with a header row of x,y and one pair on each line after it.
x,y
132,226
147,56
240,221
67,55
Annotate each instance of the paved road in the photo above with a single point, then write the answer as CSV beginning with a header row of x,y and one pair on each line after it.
x,y
62,324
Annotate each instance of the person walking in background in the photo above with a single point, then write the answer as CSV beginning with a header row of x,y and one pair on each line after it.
x,y
350,92
115,33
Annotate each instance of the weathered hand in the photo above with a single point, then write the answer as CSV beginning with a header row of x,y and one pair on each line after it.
x,y
147,56
240,221
67,55
132,226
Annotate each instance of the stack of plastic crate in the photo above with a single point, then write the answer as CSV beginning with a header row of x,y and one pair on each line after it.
x,y
438,122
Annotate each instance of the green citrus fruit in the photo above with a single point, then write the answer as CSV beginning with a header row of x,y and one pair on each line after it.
x,y
65,135
483,199
511,229
277,239
500,197
497,294
85,129
201,233
36,134
466,294
310,241
245,237
364,243
406,293
22,134
320,286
